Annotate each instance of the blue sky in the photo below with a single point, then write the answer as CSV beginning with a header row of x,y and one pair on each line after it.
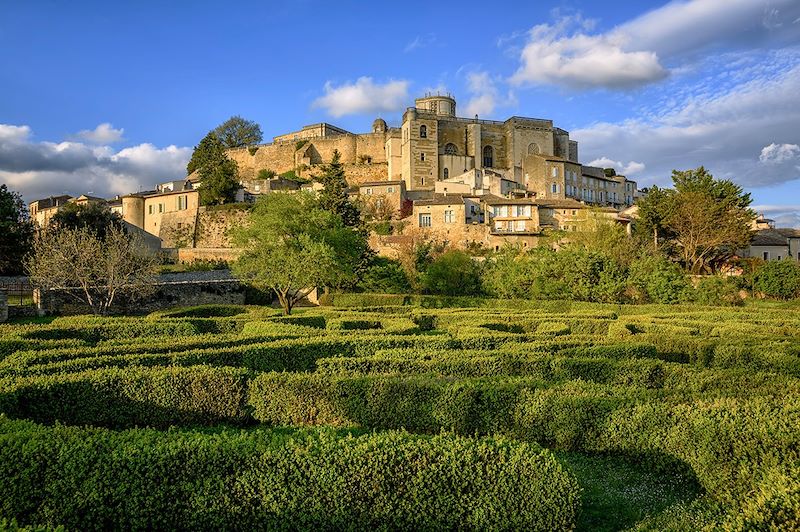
x,y
110,97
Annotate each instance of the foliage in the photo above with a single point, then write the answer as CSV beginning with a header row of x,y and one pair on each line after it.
x,y
655,279
452,273
717,290
91,269
236,132
385,276
333,197
219,175
703,220
267,174
95,217
16,232
293,246
778,279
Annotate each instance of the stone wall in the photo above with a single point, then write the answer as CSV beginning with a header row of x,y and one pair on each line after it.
x,y
214,225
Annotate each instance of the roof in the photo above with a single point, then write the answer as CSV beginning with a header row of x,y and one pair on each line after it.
x,y
789,233
52,201
561,203
444,199
491,199
557,158
768,237
378,183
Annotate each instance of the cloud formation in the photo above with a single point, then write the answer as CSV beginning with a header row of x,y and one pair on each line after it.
x,y
101,135
725,132
629,169
39,169
363,96
638,52
485,97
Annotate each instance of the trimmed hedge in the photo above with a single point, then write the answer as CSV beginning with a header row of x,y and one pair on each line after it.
x,y
99,479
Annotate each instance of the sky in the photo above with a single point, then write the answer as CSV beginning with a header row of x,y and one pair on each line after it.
x,y
110,97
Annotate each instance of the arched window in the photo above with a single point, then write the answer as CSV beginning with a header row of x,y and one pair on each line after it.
x,y
488,157
446,173
450,149
533,148
423,132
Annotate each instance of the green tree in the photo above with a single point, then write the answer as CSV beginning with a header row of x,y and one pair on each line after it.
x,y
333,197
237,132
385,276
778,279
654,208
219,175
655,279
454,273
96,217
16,232
293,246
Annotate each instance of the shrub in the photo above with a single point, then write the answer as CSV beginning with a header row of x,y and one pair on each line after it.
x,y
94,478
779,279
353,325
385,276
423,321
717,290
452,273
659,280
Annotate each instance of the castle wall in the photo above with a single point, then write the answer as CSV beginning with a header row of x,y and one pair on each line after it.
x,y
213,226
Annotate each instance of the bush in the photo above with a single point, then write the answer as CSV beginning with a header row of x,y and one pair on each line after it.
x,y
658,280
385,276
94,478
717,290
453,273
778,279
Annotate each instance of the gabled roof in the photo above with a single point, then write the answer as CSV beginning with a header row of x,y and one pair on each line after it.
x,y
788,232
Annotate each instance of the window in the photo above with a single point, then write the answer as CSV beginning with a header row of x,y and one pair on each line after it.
x,y
533,148
522,210
766,255
554,188
149,209
446,173
368,191
160,207
421,156
554,172
425,220
488,156
182,203
423,132
450,149
389,190
448,217
180,225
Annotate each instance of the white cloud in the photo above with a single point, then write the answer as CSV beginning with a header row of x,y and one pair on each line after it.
x,y
724,132
38,169
419,42
779,153
629,169
485,97
363,96
637,52
101,135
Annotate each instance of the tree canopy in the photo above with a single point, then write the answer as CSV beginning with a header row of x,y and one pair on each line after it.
x,y
16,232
236,132
219,175
333,196
96,217
293,245
701,222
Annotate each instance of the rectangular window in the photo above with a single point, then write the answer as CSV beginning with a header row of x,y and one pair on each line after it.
x,y
425,220
182,203
766,255
160,207
554,188
448,217
389,190
555,172
149,209
369,191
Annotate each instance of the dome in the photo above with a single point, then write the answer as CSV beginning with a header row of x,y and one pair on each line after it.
x,y
379,126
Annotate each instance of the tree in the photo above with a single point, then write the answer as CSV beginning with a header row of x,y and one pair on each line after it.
x,y
92,269
219,175
292,246
453,273
778,279
333,196
96,217
236,132
654,208
16,232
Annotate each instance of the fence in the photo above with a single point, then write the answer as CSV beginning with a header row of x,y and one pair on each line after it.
x,y
18,292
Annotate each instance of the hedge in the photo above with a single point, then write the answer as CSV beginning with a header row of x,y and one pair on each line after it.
x,y
142,479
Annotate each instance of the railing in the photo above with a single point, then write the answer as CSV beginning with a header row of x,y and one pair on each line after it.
x,y
18,292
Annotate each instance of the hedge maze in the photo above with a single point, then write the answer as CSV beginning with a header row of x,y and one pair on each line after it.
x,y
402,413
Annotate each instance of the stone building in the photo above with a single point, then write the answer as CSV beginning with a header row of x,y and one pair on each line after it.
x,y
774,244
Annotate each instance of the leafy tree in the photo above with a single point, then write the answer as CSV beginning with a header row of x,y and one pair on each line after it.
x,y
96,217
717,290
655,279
510,273
385,276
453,273
654,209
16,232
293,246
599,234
333,197
779,279
92,269
236,132
219,175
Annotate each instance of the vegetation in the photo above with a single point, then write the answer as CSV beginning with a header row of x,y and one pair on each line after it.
x,y
96,218
16,232
467,413
333,197
92,269
267,174
219,175
778,279
237,132
294,245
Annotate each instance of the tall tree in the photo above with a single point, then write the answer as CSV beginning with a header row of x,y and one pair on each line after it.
x,y
92,269
653,211
236,132
16,232
219,175
293,246
96,217
333,196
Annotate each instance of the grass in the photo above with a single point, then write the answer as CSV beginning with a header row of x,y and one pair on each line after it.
x,y
618,494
